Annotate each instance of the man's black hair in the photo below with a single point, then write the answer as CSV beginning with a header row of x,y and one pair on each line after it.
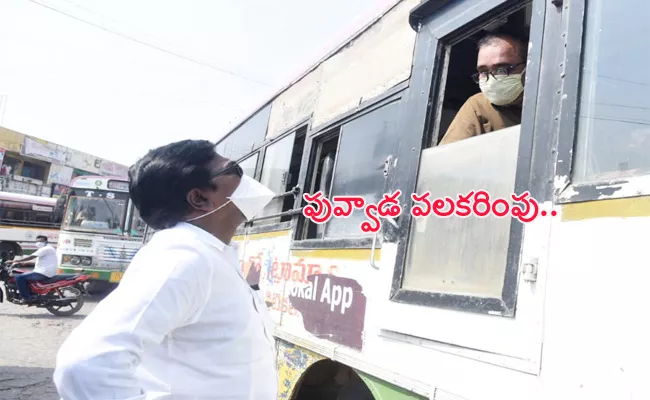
x,y
42,237
160,181
493,38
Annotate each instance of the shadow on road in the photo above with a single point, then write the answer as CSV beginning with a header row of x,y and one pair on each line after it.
x,y
92,299
27,383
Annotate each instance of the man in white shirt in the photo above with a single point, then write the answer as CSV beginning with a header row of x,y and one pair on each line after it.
x,y
45,268
183,323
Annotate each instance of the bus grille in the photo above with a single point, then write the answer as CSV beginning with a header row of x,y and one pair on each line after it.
x,y
116,253
83,243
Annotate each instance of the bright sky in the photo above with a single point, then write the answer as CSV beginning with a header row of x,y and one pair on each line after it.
x,y
66,81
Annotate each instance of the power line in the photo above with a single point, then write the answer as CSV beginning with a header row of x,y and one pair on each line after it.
x,y
149,44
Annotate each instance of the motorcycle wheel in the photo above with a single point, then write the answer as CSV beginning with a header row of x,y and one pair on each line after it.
x,y
76,306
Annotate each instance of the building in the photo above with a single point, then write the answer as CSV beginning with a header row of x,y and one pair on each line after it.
x,y
33,166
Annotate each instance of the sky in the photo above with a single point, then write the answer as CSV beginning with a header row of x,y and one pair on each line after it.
x,y
116,78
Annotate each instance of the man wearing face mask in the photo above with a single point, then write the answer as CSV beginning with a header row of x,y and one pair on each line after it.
x,y
501,68
45,267
183,323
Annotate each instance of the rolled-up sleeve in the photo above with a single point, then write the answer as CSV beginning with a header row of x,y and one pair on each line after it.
x,y
160,292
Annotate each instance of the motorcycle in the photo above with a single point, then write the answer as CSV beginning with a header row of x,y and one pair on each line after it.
x,y
49,293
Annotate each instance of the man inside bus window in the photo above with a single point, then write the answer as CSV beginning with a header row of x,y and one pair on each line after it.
x,y
45,268
500,75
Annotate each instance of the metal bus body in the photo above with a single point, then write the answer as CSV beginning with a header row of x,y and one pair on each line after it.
x,y
475,308
101,229
22,218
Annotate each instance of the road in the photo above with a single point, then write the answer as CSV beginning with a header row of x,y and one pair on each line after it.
x,y
29,340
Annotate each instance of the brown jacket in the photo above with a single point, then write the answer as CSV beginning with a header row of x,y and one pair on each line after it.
x,y
478,116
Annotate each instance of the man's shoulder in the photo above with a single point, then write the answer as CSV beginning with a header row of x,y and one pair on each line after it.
x,y
479,101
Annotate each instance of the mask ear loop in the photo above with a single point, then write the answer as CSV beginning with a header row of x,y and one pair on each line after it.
x,y
209,212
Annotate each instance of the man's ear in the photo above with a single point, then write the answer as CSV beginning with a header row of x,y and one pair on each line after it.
x,y
197,200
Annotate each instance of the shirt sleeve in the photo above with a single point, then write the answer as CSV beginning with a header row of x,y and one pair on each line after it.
x,y
39,252
465,125
160,292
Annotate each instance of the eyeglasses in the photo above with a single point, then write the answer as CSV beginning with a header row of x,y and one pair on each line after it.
x,y
232,169
497,73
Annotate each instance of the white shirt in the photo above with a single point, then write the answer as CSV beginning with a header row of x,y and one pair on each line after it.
x,y
46,263
183,324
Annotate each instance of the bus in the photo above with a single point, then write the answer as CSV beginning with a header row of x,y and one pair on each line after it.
x,y
412,301
101,229
22,218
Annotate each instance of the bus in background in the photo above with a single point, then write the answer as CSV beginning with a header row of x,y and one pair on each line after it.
x,y
22,218
101,229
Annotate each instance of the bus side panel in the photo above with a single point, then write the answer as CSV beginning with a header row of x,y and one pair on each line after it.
x,y
264,258
596,332
328,295
370,65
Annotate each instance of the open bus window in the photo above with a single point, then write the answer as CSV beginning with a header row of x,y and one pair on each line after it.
x,y
95,214
321,180
350,162
613,130
466,256
280,173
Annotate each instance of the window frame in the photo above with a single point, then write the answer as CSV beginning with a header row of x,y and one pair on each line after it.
x,y
250,229
565,190
423,109
317,135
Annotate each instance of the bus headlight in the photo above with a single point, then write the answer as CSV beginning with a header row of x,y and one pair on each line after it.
x,y
75,260
86,261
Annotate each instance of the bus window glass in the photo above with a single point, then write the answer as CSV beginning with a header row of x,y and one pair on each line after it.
x,y
613,130
247,137
96,214
365,144
275,171
249,164
137,224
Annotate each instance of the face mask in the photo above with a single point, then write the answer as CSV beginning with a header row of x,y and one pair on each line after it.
x,y
40,244
250,197
504,91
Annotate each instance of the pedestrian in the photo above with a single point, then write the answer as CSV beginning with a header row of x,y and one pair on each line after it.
x,y
46,267
183,323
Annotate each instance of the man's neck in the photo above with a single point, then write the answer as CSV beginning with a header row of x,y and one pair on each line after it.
x,y
225,236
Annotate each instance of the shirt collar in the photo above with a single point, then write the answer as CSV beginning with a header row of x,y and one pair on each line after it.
x,y
203,235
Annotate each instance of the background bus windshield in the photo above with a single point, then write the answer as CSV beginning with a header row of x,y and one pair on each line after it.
x,y
96,211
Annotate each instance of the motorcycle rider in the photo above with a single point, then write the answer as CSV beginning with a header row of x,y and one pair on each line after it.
x,y
45,268
183,323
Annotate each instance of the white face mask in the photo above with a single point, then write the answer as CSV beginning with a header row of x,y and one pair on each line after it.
x,y
504,91
40,244
250,197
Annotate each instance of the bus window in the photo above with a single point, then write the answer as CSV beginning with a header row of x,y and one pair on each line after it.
x,y
474,146
321,180
613,130
365,145
249,164
95,214
280,173
350,162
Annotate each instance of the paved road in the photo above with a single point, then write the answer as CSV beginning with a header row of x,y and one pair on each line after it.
x,y
29,340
